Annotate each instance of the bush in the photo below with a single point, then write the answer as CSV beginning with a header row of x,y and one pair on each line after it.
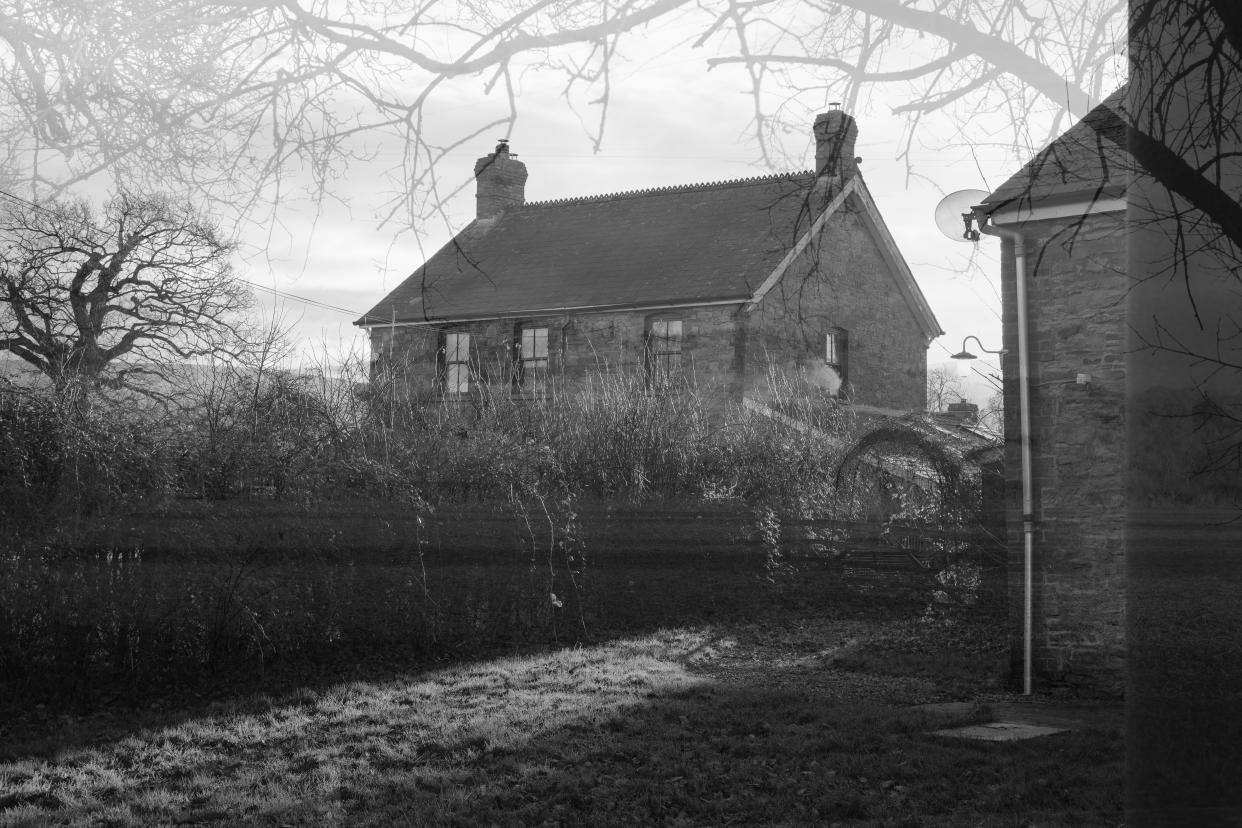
x,y
276,516
61,461
609,436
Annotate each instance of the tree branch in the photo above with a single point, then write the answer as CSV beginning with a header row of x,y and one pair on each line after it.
x,y
1001,53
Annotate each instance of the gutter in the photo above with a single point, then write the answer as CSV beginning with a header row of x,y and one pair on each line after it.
x,y
1016,213
371,321
1024,436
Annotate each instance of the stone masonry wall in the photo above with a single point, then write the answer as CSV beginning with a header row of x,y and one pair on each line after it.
x,y
841,282
1076,300
578,346
844,282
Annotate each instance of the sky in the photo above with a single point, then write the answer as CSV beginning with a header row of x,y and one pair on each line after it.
x,y
670,122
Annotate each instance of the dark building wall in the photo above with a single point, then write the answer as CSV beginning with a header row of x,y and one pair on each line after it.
x,y
845,283
1076,289
579,345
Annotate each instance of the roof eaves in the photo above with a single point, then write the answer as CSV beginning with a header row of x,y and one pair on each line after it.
x,y
1074,167
1026,212
532,312
384,311
371,318
1085,195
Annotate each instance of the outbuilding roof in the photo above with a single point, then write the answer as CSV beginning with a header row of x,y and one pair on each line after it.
x,y
684,245
1088,161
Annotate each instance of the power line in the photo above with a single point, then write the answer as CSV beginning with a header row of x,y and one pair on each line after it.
x,y
315,302
28,203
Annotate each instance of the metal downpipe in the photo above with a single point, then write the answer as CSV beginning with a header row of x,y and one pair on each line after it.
x,y
1024,437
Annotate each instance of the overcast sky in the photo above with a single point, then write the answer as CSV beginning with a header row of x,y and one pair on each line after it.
x,y
670,122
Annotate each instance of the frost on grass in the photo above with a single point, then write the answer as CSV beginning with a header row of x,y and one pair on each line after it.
x,y
748,724
317,749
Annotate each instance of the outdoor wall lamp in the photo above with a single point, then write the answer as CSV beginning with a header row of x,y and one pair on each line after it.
x,y
965,354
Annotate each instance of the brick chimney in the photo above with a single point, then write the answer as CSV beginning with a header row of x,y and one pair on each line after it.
x,y
835,134
501,182
966,412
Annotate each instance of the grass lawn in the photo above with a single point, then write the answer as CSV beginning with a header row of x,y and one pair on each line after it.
x,y
804,721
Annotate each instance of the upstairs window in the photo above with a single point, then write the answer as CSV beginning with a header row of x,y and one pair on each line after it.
x,y
532,355
664,341
836,354
456,354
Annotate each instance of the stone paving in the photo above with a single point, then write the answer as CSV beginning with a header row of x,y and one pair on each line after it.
x,y
1025,719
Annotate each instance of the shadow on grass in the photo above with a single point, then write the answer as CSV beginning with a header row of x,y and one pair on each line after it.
x,y
760,724
41,724
753,756
112,711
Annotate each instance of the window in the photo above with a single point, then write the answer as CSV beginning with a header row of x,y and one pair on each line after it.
x,y
664,337
836,354
456,362
531,359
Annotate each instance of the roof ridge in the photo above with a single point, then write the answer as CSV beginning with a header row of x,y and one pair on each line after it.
x,y
669,188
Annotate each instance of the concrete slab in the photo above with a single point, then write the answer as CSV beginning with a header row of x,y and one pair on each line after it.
x,y
999,731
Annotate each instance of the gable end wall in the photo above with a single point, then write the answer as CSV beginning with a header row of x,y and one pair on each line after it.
x,y
843,281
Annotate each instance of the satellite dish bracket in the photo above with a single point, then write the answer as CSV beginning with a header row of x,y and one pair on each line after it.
x,y
956,217
971,233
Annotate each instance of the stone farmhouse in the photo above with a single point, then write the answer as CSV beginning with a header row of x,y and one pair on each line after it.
x,y
715,283
1062,219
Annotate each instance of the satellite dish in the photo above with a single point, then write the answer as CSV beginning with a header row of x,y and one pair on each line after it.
x,y
949,214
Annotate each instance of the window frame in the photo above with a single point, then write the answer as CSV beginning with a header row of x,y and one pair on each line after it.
x,y
529,370
459,365
664,364
836,355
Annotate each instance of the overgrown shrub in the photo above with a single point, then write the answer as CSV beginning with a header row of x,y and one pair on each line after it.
x,y
612,436
273,516
61,460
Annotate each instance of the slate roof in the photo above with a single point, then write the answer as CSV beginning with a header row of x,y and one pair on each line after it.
x,y
676,245
1088,160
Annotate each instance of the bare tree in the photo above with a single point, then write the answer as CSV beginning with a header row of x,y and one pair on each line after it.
x,y
226,100
1184,136
959,67
92,301
992,415
943,387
